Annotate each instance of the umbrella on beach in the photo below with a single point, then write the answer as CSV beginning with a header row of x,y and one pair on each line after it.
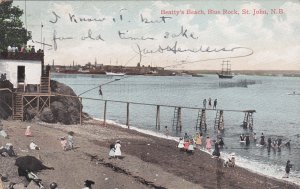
x,y
30,163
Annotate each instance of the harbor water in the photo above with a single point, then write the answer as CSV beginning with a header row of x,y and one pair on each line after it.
x,y
277,111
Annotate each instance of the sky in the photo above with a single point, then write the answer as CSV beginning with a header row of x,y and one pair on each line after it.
x,y
194,35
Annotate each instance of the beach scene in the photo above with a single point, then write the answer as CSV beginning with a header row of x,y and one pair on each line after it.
x,y
149,94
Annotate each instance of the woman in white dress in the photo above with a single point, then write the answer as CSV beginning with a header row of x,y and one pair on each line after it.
x,y
118,149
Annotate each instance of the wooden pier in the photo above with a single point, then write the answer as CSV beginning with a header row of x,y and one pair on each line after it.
x,y
177,115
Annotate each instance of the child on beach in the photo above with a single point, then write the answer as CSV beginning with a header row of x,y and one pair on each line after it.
x,y
63,143
28,132
208,143
190,147
70,140
118,149
112,151
180,144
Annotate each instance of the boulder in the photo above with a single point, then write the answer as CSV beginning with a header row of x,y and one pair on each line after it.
x,y
47,116
64,107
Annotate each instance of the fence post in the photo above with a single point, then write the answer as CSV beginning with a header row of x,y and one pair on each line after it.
x,y
158,117
127,117
104,116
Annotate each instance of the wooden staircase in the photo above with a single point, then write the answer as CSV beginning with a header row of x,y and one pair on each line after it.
x,y
176,123
18,107
45,84
201,120
219,120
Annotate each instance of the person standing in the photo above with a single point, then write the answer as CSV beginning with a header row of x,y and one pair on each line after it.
x,y
209,102
215,104
262,139
204,103
118,149
199,140
70,140
208,143
112,151
288,169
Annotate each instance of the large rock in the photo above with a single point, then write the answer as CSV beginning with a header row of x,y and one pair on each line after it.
x,y
65,106
47,116
5,98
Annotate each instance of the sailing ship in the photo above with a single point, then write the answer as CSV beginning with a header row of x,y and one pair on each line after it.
x,y
225,73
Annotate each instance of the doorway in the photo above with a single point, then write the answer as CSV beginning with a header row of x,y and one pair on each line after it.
x,y
21,74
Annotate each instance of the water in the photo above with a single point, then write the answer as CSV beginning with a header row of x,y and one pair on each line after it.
x,y
277,113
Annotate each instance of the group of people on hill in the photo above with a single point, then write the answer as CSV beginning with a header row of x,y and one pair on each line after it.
x,y
210,103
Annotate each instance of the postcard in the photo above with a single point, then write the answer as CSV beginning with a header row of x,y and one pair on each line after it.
x,y
150,94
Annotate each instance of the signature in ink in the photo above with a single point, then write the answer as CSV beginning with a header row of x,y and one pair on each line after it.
x,y
177,49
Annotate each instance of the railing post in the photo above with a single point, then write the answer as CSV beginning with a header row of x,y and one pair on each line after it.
x,y
179,124
104,116
127,117
81,110
158,117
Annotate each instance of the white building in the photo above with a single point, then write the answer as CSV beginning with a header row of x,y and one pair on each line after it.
x,y
22,69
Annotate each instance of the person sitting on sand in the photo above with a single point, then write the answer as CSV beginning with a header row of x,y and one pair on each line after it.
x,y
28,132
2,132
88,184
231,161
208,143
190,147
112,151
118,149
180,144
63,142
8,150
33,146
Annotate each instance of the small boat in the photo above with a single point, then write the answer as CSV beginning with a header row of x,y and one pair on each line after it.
x,y
226,73
114,74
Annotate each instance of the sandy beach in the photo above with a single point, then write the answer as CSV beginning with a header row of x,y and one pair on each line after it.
x,y
149,162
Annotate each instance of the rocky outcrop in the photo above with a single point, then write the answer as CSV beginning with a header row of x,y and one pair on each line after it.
x,y
5,98
63,108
